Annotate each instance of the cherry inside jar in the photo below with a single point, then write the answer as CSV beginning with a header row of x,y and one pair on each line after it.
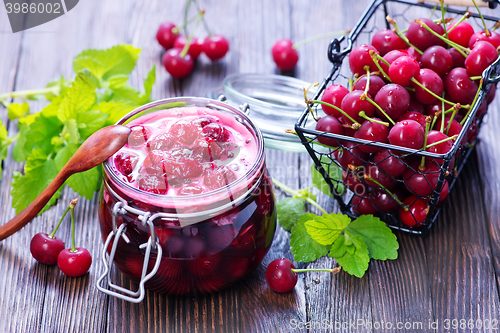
x,y
196,168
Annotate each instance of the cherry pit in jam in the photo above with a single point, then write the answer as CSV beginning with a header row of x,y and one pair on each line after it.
x,y
199,165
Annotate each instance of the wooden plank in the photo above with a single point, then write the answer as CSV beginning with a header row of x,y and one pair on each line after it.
x,y
461,272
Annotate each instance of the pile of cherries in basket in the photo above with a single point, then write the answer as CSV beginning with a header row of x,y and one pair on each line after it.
x,y
413,90
182,50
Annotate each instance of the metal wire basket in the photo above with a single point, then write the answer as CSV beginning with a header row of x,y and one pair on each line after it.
x,y
449,164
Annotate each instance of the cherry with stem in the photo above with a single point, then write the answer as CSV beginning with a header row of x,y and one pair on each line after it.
x,y
401,35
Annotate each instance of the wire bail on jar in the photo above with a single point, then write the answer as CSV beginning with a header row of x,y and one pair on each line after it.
x,y
121,208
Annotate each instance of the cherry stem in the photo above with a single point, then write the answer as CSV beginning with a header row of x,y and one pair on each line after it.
x,y
309,102
455,110
430,92
311,140
442,116
355,123
365,97
301,270
375,57
463,18
186,12
189,39
72,206
486,32
400,34
456,46
207,29
297,194
473,102
321,36
442,18
496,26
26,93
185,24
444,140
351,84
367,87
362,114
474,78
58,224
370,178
427,123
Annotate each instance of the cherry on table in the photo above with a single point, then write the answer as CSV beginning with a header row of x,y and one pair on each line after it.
x,y
284,55
177,66
166,36
280,276
74,263
45,248
195,48
215,47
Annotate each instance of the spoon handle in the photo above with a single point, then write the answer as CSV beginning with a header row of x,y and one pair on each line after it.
x,y
21,219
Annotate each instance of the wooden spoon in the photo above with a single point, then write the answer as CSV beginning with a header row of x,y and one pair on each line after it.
x,y
95,150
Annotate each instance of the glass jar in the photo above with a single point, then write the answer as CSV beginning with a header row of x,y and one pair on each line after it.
x,y
191,243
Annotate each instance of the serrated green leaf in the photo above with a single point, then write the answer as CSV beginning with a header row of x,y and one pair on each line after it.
x,y
118,60
5,141
38,173
338,248
114,110
19,154
148,85
289,210
90,121
86,183
117,81
302,246
16,110
355,258
126,94
327,228
334,172
40,133
70,131
64,155
80,97
381,242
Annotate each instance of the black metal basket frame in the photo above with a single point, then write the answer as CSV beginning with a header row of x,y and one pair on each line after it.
x,y
336,56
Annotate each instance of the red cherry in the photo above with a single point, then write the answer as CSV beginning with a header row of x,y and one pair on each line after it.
x,y
45,249
459,86
403,69
360,57
334,95
279,275
416,212
372,131
458,58
413,115
353,104
438,59
363,206
430,80
407,133
177,66
386,40
493,39
74,263
284,55
215,47
350,154
329,124
195,47
165,36
461,34
376,83
482,55
421,38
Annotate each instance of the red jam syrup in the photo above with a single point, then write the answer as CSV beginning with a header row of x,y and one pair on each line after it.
x,y
205,170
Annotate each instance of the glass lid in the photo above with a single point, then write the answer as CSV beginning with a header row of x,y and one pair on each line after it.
x,y
275,101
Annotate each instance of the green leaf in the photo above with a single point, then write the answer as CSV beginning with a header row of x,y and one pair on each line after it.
x,y
114,110
302,246
16,110
40,134
355,257
148,85
5,141
80,97
70,131
117,81
381,242
104,64
327,228
334,172
38,173
289,210
19,154
84,183
126,94
89,122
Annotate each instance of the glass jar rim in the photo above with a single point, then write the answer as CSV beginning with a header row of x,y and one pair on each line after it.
x,y
178,102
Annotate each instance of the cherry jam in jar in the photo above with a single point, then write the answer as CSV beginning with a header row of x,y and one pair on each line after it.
x,y
194,168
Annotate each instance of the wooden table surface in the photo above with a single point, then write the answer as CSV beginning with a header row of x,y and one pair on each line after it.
x,y
453,273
